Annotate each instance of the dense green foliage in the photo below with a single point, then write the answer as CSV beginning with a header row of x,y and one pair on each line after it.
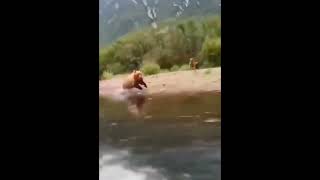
x,y
170,46
106,75
184,67
150,68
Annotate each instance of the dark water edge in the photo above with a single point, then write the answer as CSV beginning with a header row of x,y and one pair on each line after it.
x,y
177,137
163,108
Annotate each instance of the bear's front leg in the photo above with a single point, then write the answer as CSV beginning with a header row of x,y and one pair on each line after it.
x,y
137,86
143,83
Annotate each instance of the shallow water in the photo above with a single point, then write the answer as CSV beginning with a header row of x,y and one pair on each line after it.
x,y
157,138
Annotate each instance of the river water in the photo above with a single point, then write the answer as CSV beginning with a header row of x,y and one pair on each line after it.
x,y
160,138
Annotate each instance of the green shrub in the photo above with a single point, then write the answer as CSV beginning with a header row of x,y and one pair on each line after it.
x,y
116,68
174,68
150,68
106,75
164,70
184,67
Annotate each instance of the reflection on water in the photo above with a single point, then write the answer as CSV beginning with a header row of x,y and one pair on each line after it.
x,y
174,137
135,104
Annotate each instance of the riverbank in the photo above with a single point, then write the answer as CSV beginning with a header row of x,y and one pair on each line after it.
x,y
190,82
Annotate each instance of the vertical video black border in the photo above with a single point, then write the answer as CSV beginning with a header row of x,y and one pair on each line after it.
x,y
63,87
244,76
267,79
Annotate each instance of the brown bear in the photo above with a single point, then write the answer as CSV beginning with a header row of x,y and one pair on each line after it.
x,y
134,80
193,63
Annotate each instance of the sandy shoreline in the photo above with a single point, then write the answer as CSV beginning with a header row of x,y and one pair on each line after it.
x,y
203,80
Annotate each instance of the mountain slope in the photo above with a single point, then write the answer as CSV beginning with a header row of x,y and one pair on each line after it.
x,y
118,17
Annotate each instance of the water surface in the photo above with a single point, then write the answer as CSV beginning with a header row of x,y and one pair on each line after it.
x,y
160,138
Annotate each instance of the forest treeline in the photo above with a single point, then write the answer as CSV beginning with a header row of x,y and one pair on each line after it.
x,y
166,48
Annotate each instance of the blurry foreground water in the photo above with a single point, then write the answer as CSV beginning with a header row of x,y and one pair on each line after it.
x,y
160,138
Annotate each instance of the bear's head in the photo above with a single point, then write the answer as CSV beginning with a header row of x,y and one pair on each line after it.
x,y
137,75
138,78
